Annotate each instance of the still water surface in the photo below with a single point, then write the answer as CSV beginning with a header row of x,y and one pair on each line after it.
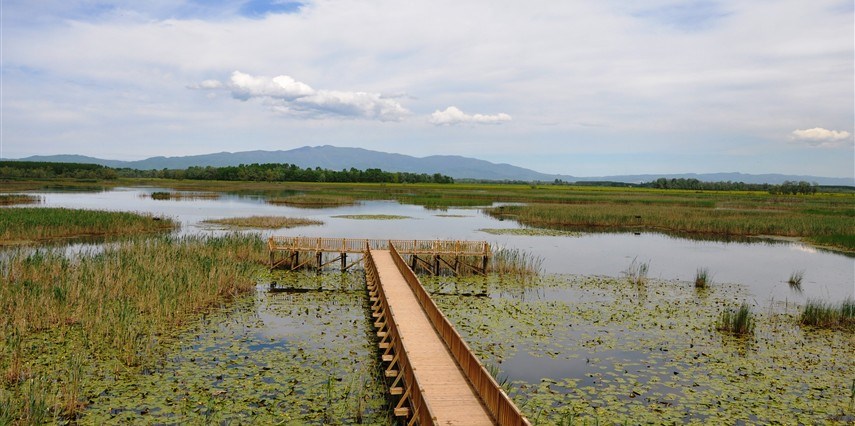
x,y
762,266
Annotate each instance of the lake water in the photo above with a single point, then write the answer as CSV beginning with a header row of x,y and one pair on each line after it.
x,y
762,266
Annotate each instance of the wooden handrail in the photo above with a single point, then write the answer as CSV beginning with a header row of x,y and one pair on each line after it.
x,y
421,408
341,245
504,411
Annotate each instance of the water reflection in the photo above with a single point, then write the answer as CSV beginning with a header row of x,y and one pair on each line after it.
x,y
762,265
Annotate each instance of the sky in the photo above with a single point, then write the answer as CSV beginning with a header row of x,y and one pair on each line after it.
x,y
591,88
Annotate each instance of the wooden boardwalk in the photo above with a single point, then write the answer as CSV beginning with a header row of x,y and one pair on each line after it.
x,y
439,380
451,397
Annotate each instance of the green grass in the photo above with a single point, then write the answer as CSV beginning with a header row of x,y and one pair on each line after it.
x,y
119,305
739,322
265,222
27,225
817,313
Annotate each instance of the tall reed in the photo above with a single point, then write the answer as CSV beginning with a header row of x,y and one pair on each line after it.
x,y
817,313
121,301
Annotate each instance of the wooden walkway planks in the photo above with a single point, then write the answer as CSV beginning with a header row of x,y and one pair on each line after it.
x,y
452,399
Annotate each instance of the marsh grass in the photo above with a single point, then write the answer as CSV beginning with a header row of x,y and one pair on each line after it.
x,y
819,314
313,200
120,302
162,195
515,262
265,222
795,280
372,217
15,199
702,278
28,224
637,271
739,322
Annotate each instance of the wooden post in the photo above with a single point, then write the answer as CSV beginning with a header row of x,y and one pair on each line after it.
x,y
320,259
343,261
271,259
413,261
436,264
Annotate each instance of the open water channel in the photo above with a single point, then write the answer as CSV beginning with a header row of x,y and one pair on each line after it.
x,y
580,343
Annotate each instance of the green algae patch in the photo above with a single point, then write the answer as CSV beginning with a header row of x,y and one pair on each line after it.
x,y
372,217
531,232
587,349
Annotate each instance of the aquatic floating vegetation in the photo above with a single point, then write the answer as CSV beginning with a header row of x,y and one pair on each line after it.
x,y
737,321
13,199
161,195
451,215
533,232
817,313
372,217
266,222
592,348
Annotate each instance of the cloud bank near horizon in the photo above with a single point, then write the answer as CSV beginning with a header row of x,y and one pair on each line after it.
x,y
453,115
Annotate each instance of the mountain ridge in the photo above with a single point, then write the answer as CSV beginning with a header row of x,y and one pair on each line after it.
x,y
458,167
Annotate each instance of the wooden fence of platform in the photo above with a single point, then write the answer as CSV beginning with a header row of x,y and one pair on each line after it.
x,y
431,255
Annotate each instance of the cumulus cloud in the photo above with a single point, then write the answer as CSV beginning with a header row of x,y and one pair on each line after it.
x,y
292,97
820,137
453,115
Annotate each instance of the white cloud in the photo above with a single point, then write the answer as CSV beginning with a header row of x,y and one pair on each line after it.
x,y
820,137
292,97
453,115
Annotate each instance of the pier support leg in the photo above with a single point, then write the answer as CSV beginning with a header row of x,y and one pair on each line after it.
x,y
484,264
320,260
343,262
413,261
436,264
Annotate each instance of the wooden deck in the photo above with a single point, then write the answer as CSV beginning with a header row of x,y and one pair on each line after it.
x,y
452,399
439,380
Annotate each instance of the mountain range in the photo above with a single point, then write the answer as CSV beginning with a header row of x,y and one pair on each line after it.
x,y
458,167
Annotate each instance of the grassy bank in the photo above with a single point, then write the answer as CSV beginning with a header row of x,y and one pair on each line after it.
x,y
106,313
27,225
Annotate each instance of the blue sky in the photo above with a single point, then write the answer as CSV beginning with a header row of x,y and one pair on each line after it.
x,y
579,88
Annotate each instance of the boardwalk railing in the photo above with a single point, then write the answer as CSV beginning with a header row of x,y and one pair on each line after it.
x,y
357,245
421,411
501,407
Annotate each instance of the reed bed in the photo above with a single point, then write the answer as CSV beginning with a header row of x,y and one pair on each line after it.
x,y
817,313
121,303
17,199
161,195
637,271
739,322
515,262
265,222
29,224
832,229
314,200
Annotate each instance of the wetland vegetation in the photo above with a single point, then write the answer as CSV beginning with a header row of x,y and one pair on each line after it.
x,y
15,199
33,224
265,222
107,313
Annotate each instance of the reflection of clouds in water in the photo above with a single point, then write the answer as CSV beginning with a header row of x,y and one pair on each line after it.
x,y
803,248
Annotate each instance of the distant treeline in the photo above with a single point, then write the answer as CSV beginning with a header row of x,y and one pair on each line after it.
x,y
787,187
44,170
244,172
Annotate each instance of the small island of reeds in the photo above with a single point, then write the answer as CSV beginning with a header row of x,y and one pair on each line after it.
x,y
265,222
32,224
